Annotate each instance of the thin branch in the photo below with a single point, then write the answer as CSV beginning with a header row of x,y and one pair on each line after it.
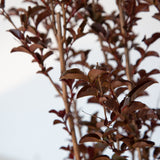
x,y
126,51
5,14
64,22
54,85
53,18
64,89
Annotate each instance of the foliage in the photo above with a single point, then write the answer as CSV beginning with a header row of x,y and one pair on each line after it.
x,y
112,84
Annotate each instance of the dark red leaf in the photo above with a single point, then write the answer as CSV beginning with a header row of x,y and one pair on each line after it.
x,y
91,137
66,148
32,11
21,49
93,100
151,53
33,47
17,33
152,39
135,106
53,111
74,74
94,73
57,121
87,91
111,103
142,85
48,54
120,82
69,82
42,16
73,33
60,113
142,7
140,50
143,144
154,71
81,27
120,90
157,16
49,69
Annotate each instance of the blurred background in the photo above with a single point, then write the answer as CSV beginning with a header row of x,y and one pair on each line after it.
x,y
26,130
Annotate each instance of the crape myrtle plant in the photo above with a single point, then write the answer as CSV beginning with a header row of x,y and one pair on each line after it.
x,y
49,27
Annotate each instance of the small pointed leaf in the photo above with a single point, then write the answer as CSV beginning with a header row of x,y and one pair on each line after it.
x,y
91,137
94,73
135,92
21,49
87,91
74,74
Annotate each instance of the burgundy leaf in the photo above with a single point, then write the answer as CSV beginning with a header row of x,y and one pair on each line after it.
x,y
57,121
49,69
87,91
74,74
151,53
140,50
91,137
17,33
42,16
120,82
21,49
135,106
32,11
142,7
73,33
145,83
152,39
120,90
143,144
53,111
33,47
157,16
94,73
81,27
154,71
48,54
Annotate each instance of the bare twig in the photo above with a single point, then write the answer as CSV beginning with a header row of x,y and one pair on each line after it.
x,y
64,89
126,51
53,18
54,85
5,14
